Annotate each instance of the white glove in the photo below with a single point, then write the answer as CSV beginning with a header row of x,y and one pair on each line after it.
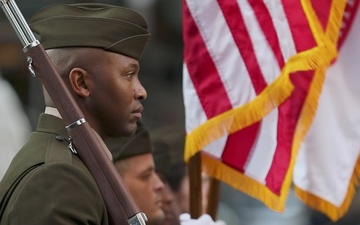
x,y
205,219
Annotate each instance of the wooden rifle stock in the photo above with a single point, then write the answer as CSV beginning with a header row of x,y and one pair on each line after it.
x,y
90,148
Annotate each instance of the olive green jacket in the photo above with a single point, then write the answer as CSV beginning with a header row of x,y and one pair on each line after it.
x,y
49,184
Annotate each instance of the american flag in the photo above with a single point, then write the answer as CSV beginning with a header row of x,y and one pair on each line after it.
x,y
252,76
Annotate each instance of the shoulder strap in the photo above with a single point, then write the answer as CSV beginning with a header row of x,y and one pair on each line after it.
x,y
12,188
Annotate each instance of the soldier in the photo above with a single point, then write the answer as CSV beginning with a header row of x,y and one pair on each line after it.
x,y
169,144
96,49
133,159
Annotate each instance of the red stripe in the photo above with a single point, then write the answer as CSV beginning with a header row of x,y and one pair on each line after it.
x,y
289,111
298,24
266,23
238,147
235,21
204,75
322,9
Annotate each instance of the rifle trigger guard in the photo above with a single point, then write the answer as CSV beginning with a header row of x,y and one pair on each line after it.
x,y
30,68
75,124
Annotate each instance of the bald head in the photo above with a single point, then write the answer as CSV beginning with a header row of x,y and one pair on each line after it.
x,y
67,59
63,60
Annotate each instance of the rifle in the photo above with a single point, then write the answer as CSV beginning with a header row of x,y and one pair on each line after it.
x,y
90,148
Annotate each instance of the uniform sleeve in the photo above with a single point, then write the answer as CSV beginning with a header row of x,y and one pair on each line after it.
x,y
57,193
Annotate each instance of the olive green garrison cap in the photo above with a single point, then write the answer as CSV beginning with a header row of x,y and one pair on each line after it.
x,y
113,28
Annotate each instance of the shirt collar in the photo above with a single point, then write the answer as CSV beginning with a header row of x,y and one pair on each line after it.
x,y
52,111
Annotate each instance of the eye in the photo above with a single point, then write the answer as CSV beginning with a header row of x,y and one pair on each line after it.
x,y
146,176
129,75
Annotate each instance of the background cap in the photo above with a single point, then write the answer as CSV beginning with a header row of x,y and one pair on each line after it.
x,y
126,147
169,144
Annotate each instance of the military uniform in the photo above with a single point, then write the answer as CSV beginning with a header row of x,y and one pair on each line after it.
x,y
47,176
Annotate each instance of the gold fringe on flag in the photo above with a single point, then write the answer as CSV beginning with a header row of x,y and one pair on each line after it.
x,y
241,182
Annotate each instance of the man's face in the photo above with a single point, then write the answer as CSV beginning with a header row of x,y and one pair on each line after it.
x,y
144,185
115,93
169,206
183,194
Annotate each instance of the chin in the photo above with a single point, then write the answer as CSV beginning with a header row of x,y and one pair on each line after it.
x,y
131,130
135,128
121,133
124,131
157,218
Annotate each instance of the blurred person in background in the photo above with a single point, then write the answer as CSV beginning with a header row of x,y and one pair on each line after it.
x,y
253,212
169,143
234,207
14,125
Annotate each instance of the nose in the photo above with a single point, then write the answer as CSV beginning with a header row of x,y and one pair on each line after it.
x,y
140,92
168,196
159,185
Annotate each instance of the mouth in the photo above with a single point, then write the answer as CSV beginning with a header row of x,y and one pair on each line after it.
x,y
159,204
137,113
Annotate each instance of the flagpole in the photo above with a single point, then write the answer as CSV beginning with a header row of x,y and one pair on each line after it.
x,y
194,171
213,198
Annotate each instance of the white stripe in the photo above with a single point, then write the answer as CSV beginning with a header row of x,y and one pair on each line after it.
x,y
263,52
330,150
216,148
194,113
222,48
282,28
262,154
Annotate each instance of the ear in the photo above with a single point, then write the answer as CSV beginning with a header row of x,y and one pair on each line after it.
x,y
78,79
